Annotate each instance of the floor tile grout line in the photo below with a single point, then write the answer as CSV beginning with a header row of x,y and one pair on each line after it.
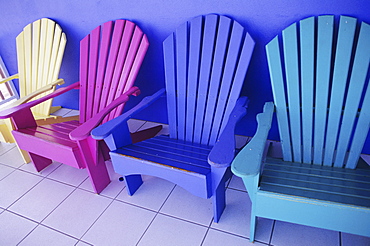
x,y
37,225
112,200
25,192
205,235
15,169
272,232
57,206
146,229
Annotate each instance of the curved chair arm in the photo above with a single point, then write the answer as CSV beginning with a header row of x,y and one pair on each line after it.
x,y
15,76
37,92
11,111
249,159
109,127
223,152
84,130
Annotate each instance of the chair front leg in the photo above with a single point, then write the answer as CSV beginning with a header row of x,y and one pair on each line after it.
x,y
93,160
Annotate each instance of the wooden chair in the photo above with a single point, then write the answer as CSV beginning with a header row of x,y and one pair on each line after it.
x,y
206,60
8,94
110,58
40,49
322,100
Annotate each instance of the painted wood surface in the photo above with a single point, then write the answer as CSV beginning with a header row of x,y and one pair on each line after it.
x,y
321,180
205,60
40,49
111,56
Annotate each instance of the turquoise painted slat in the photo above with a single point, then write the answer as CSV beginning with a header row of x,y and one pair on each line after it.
x,y
93,62
112,59
193,74
239,77
307,47
290,46
84,64
170,68
230,67
223,32
355,89
323,63
209,36
107,29
181,72
359,137
346,33
276,76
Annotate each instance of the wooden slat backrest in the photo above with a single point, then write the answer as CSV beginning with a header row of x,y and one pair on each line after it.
x,y
110,58
319,86
206,60
40,49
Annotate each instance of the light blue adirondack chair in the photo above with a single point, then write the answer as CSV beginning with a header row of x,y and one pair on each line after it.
x,y
322,104
206,60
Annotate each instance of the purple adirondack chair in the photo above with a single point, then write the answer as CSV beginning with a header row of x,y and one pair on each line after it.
x,y
206,60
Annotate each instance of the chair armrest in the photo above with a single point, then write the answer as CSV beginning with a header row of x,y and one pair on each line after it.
x,y
11,111
108,128
223,152
37,92
84,130
249,159
15,76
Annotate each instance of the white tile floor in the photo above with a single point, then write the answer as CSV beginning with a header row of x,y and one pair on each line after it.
x,y
58,207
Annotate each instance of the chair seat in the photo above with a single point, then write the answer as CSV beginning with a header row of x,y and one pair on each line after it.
x,y
175,153
331,184
51,141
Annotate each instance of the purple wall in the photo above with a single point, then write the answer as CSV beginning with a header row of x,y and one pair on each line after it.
x,y
158,18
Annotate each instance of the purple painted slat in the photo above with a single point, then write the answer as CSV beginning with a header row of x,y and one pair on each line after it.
x,y
209,35
218,68
193,74
238,80
93,62
170,75
102,64
84,59
181,72
112,59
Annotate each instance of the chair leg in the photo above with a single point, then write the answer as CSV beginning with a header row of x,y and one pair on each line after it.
x,y
133,182
40,162
252,226
98,175
219,201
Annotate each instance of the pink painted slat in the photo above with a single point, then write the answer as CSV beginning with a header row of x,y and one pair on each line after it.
x,y
84,130
112,59
55,151
122,57
93,63
138,47
102,64
84,62
54,133
59,128
46,137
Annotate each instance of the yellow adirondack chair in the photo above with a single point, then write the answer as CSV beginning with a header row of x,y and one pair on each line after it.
x,y
40,49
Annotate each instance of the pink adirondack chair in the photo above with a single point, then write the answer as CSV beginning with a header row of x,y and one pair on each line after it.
x,y
110,58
